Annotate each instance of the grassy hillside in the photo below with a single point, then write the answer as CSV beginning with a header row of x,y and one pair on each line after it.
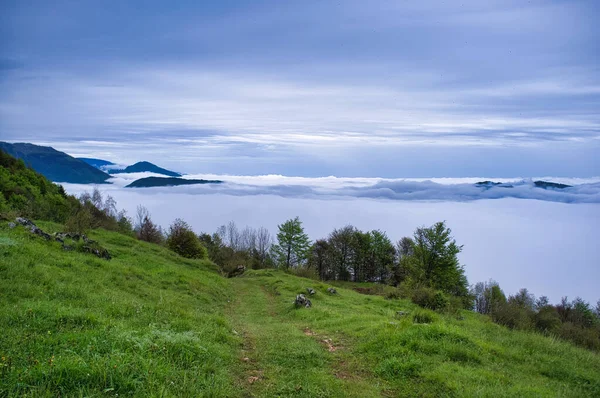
x,y
150,323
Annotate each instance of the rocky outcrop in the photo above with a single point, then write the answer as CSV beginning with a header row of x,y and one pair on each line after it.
x,y
98,252
311,291
302,301
331,290
90,246
28,224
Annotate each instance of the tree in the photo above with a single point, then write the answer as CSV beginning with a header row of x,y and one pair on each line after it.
x,y
149,232
183,241
319,258
293,244
383,254
141,215
542,302
523,299
263,244
488,297
342,245
436,255
404,254
359,256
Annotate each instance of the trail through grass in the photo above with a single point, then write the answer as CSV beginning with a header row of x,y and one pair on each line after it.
x,y
283,358
149,323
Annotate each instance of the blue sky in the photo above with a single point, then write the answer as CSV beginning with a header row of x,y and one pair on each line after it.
x,y
347,88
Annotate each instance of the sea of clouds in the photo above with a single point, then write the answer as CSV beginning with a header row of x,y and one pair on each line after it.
x,y
545,240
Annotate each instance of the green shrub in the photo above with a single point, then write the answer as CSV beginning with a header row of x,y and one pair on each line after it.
x,y
183,241
547,319
80,221
429,298
513,316
582,336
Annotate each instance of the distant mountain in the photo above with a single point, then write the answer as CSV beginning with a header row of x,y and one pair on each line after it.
x,y
97,163
490,184
537,184
54,165
167,182
141,167
548,184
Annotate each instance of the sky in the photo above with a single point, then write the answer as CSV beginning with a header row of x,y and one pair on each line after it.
x,y
309,88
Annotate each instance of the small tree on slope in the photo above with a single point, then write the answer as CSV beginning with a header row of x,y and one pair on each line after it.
x,y
293,244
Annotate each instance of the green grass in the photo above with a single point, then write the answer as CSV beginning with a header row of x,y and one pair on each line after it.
x,y
151,324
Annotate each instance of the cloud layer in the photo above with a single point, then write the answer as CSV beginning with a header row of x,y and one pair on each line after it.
x,y
441,189
548,247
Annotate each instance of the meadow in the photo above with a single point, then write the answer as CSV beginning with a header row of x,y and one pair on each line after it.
x,y
150,323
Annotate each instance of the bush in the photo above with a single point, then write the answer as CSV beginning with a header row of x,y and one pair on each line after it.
x,y
424,317
80,222
183,241
405,291
513,316
547,319
582,336
429,298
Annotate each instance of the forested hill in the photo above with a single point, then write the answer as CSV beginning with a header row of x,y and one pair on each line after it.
x,y
140,167
55,165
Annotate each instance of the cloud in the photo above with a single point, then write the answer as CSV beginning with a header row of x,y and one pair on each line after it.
x,y
546,246
329,188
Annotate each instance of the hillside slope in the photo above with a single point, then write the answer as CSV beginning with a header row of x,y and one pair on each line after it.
x,y
150,323
55,165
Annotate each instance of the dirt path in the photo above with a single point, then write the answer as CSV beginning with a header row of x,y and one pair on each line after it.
x,y
281,358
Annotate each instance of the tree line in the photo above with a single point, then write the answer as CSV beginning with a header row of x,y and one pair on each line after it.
x,y
574,320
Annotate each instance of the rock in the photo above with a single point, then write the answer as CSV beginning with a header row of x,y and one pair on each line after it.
x,y
331,290
64,235
36,231
87,240
102,253
61,236
302,301
402,313
24,222
311,291
11,225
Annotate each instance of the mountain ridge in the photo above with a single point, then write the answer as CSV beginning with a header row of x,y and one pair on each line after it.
x,y
55,165
145,166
